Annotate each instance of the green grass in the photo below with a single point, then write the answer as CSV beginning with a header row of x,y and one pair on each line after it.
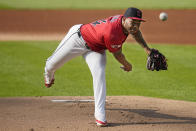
x,y
97,4
22,66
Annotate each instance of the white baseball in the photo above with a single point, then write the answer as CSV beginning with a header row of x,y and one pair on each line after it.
x,y
163,16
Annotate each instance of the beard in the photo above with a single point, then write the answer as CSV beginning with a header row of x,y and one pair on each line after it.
x,y
133,30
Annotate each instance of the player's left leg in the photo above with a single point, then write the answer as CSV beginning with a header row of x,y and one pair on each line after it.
x,y
96,62
70,47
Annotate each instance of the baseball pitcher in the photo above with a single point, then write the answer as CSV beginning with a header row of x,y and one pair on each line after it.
x,y
91,41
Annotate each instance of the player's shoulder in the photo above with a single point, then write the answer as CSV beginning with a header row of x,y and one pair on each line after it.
x,y
115,22
115,18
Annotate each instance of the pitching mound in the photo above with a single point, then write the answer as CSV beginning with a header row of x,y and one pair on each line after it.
x,y
123,113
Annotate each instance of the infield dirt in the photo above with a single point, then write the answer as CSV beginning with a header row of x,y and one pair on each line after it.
x,y
124,113
52,25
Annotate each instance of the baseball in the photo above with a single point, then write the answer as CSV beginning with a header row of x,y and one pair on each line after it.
x,y
163,16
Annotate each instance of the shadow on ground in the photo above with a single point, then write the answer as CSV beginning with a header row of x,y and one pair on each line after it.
x,y
149,113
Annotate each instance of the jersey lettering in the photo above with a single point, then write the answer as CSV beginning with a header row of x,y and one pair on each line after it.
x,y
116,46
114,18
98,22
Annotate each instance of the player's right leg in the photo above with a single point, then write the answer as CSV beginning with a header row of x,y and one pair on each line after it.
x,y
96,63
71,46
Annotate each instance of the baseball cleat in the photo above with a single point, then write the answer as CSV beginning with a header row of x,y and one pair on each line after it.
x,y
101,123
48,85
49,79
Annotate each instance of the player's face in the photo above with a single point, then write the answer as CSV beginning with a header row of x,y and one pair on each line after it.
x,y
132,25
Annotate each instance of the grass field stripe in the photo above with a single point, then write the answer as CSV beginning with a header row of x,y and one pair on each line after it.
x,y
96,4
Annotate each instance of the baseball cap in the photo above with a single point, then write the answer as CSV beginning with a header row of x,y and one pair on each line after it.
x,y
133,13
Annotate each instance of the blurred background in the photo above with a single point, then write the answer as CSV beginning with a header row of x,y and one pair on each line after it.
x,y
49,20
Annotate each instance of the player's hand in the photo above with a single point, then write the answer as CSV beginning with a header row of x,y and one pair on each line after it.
x,y
148,50
127,67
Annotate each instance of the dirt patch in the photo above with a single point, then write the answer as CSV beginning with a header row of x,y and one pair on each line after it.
x,y
123,113
180,27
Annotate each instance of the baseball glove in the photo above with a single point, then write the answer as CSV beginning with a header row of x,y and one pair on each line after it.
x,y
156,61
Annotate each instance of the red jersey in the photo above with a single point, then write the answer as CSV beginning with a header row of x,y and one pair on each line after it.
x,y
104,34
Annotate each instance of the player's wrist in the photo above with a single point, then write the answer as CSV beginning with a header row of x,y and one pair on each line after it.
x,y
148,50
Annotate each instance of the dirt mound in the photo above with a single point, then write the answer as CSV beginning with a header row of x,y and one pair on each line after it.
x,y
123,113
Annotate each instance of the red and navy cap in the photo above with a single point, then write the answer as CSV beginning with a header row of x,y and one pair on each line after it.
x,y
134,13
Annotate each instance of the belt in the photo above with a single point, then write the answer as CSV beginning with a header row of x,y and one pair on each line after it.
x,y
79,35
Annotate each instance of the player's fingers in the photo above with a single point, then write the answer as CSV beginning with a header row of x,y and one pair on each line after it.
x,y
125,69
122,67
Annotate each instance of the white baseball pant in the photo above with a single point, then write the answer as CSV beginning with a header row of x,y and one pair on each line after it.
x,y
72,46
